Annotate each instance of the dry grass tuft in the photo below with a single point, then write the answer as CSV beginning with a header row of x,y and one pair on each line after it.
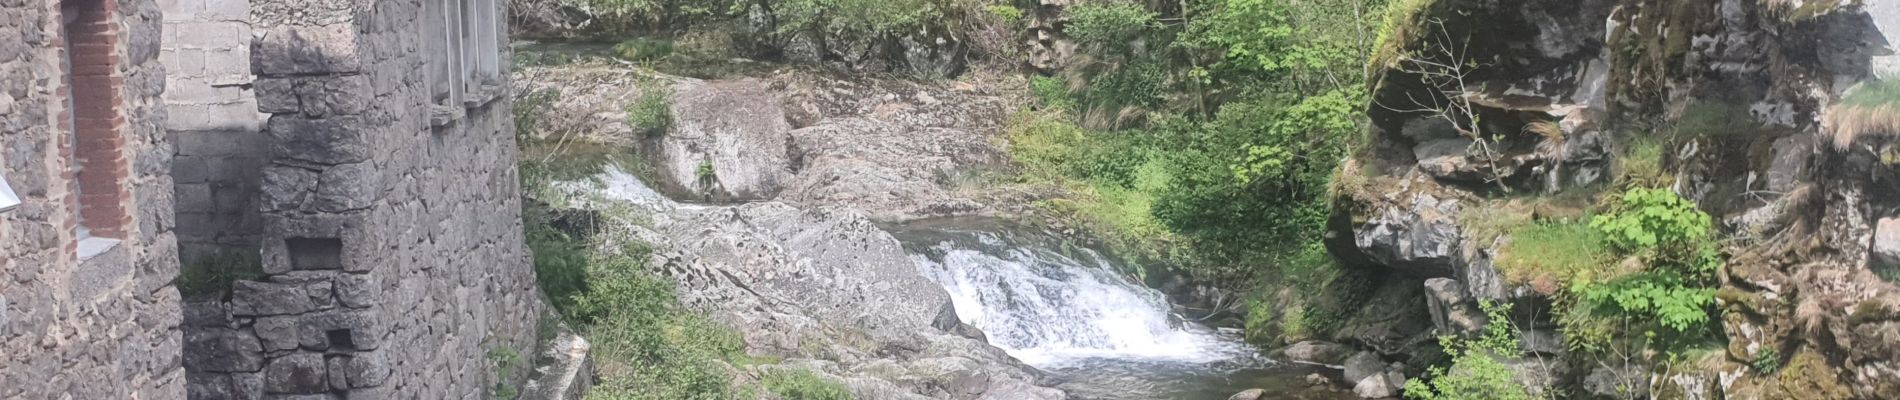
x,y
1870,109
1550,130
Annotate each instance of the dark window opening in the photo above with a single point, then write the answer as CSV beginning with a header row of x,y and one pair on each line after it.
x,y
314,253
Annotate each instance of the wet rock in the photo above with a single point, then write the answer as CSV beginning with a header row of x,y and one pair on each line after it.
x,y
1249,394
1362,365
1318,352
1317,380
1379,386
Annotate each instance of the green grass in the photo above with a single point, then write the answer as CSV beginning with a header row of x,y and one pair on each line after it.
x,y
1640,163
800,384
1556,252
1486,222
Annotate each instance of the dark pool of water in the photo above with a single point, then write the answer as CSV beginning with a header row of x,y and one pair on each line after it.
x,y
1130,379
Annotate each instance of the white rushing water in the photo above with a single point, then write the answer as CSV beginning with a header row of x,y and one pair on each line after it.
x,y
1051,310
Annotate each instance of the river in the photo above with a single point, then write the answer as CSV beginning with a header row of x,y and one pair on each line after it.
x,y
1065,310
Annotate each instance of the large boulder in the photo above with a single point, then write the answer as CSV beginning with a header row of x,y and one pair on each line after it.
x,y
728,143
1420,237
1362,365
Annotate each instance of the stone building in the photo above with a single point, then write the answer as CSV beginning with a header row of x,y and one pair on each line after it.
x,y
341,175
87,309
378,188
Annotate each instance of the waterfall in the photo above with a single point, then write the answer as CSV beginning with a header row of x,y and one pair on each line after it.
x,y
1050,309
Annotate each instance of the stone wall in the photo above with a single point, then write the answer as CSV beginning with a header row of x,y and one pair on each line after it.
x,y
105,326
391,239
215,125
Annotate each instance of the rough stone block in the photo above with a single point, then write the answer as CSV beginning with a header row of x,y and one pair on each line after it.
x,y
347,187
278,332
364,370
330,141
302,50
340,331
249,298
222,350
334,95
299,373
357,291
285,189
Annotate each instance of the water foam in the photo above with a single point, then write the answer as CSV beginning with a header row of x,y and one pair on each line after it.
x,y
1050,309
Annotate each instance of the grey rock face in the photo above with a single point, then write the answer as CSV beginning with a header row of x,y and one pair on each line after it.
x,y
1453,310
1887,245
728,143
1363,365
1422,239
795,282
1448,159
895,150
1377,386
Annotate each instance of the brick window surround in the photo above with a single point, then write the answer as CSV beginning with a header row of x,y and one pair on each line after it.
x,y
97,161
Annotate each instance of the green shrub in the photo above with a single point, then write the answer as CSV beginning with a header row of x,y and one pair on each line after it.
x,y
799,384
1476,372
1672,236
1114,23
1009,14
652,113
1054,92
1653,218
646,346
507,363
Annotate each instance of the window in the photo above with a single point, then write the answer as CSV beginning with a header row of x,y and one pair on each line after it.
x,y
96,156
463,43
8,200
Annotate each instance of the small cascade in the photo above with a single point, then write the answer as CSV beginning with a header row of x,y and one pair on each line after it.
x,y
1047,308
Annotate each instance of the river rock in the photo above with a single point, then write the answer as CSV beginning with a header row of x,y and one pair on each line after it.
x,y
1249,394
1378,386
1318,352
728,143
1362,365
